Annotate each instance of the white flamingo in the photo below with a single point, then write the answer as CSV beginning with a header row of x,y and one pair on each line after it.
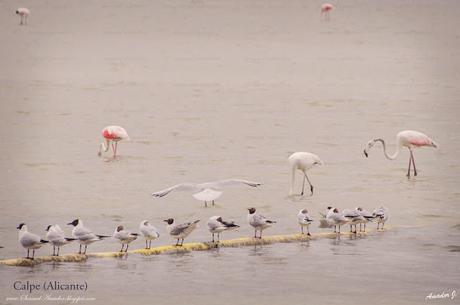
x,y
112,135
302,161
209,191
407,138
23,13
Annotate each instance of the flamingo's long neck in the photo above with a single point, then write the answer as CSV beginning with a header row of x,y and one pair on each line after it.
x,y
392,157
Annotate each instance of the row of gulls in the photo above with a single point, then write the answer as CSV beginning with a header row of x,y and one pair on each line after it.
x,y
179,231
335,218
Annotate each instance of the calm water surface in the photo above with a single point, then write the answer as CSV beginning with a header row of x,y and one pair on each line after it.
x,y
216,89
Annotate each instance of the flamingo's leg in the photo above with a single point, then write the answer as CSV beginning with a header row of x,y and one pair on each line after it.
x,y
205,204
212,237
311,186
303,186
115,150
413,162
410,162
301,227
308,231
58,250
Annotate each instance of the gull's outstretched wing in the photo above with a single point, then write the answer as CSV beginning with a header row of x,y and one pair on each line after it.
x,y
177,187
229,182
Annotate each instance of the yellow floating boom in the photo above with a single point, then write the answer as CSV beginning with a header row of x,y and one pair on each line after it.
x,y
188,247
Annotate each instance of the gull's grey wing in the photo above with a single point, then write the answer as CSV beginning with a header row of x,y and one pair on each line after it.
x,y
29,239
229,182
83,234
177,187
180,228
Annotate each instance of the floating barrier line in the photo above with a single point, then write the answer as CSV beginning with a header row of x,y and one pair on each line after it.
x,y
188,247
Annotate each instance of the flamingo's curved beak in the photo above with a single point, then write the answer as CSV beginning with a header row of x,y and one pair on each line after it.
x,y
365,153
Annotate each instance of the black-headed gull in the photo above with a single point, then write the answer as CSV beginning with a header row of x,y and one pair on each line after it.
x,y
336,219
259,222
367,217
149,232
84,235
354,218
217,225
180,231
124,237
29,240
304,220
206,192
56,237
381,214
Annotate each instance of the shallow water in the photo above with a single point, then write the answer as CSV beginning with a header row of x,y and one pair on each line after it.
x,y
211,90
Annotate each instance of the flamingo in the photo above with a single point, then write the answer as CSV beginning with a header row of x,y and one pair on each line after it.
x,y
112,134
24,13
407,138
302,161
325,10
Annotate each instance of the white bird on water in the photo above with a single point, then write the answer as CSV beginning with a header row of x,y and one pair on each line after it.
x,y
381,214
84,235
336,219
29,240
56,237
124,237
207,192
149,232
302,161
367,216
354,218
24,14
258,222
112,135
180,231
217,225
304,220
407,138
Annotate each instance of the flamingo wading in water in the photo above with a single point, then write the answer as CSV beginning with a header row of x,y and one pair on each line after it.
x,y
112,135
23,13
326,8
302,161
407,138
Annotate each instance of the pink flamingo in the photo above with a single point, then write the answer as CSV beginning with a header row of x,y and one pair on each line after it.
x,y
24,13
407,138
112,134
326,8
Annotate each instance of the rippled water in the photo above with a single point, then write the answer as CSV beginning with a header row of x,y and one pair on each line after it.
x,y
215,89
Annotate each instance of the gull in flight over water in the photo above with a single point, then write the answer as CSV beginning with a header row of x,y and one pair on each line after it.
x,y
208,191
